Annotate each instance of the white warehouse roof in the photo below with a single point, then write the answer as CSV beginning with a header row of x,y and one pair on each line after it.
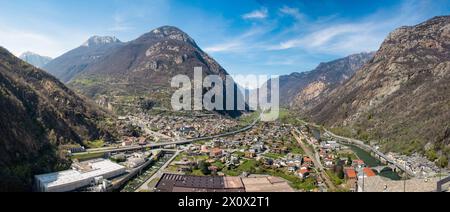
x,y
72,179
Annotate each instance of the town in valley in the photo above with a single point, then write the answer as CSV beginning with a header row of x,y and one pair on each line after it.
x,y
207,152
241,97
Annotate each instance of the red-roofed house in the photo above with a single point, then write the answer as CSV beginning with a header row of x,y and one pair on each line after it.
x,y
351,177
307,160
303,173
368,172
216,152
350,173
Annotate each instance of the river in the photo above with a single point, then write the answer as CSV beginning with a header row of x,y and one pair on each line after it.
x,y
365,156
371,161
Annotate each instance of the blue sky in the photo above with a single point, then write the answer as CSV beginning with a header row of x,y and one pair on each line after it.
x,y
245,36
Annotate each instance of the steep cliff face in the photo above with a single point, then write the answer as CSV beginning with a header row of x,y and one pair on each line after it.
x,y
300,90
38,113
400,97
327,77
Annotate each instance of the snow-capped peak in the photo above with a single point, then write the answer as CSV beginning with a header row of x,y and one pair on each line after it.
x,y
27,54
100,40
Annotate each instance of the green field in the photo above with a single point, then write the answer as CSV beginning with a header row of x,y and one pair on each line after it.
x,y
95,144
87,156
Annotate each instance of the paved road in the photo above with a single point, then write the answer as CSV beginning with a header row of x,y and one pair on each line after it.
x,y
315,158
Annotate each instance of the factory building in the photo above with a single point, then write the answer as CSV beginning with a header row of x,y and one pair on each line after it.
x,y
82,175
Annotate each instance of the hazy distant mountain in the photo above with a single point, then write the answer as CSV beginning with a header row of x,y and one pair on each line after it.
x,y
35,59
76,61
145,66
402,96
298,90
37,114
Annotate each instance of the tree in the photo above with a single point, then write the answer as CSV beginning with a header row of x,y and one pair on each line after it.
x,y
431,155
204,167
349,161
339,170
442,161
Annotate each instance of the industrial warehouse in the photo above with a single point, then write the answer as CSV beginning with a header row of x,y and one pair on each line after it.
x,y
82,175
187,183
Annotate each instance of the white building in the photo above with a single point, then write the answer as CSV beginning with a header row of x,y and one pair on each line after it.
x,y
84,175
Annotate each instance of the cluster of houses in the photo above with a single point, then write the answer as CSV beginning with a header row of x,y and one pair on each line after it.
x,y
133,141
214,154
298,165
418,164
328,153
189,126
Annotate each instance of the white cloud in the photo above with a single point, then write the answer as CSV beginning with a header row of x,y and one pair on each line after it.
x,y
224,47
345,37
294,12
257,14
240,43
324,36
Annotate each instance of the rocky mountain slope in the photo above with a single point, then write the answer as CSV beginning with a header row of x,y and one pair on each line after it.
x,y
35,59
401,97
300,89
70,64
144,67
38,113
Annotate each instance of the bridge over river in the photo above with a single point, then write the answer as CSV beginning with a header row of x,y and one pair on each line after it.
x,y
380,169
391,163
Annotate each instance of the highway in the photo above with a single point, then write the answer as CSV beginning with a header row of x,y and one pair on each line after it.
x,y
158,145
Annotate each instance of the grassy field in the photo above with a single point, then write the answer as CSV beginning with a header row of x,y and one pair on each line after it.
x,y
294,181
334,178
94,144
248,119
87,156
197,172
248,166
274,155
